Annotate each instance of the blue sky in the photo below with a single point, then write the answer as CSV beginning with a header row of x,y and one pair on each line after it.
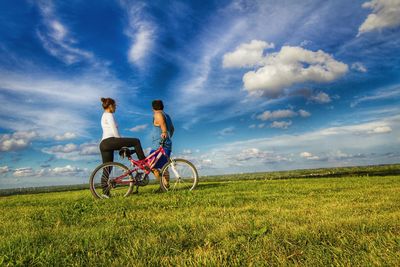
x,y
250,85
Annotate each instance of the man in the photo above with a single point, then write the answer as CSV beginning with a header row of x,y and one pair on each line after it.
x,y
164,130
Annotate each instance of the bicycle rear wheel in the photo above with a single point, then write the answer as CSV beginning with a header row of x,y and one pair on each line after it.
x,y
178,174
102,181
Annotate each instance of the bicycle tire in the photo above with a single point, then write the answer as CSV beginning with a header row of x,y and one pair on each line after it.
x,y
182,175
98,181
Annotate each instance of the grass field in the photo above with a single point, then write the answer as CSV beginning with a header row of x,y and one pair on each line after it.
x,y
351,221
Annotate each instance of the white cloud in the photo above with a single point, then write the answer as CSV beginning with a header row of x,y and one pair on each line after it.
x,y
292,65
226,131
65,171
16,141
68,148
89,149
66,136
281,114
278,114
247,55
385,14
380,130
187,152
4,170
141,42
309,155
304,113
73,152
139,128
305,43
24,172
281,124
321,98
251,153
305,154
59,31
204,163
358,66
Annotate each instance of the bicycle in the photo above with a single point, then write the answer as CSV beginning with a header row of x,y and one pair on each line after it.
x,y
117,180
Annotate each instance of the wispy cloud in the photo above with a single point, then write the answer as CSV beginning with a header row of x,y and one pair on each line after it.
x,y
226,131
56,37
358,66
139,128
391,92
57,104
141,31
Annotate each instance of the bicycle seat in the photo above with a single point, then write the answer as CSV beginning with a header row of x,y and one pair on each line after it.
x,y
125,152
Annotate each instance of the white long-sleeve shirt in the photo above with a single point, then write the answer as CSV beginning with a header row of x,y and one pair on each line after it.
x,y
110,127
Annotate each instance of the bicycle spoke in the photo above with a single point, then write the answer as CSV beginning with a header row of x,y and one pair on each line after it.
x,y
182,176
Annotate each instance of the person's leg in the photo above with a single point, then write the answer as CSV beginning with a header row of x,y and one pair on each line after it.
x,y
118,143
165,176
107,150
107,155
129,142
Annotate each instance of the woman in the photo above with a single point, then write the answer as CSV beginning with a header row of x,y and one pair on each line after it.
x,y
111,139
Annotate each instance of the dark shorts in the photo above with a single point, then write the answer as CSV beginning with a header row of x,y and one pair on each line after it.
x,y
163,160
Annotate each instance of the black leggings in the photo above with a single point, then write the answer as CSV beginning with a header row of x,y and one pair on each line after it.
x,y
107,147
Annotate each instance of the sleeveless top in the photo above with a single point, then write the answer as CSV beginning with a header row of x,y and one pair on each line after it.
x,y
157,133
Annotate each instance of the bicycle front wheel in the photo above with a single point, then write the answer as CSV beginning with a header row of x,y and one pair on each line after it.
x,y
178,174
111,179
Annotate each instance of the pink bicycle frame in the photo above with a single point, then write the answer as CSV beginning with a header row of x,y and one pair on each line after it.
x,y
145,164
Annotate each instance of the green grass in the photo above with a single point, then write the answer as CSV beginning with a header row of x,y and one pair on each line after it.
x,y
352,221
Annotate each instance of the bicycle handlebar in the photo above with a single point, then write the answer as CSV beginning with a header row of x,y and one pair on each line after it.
x,y
162,141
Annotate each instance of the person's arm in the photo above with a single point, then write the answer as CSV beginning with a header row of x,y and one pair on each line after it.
x,y
113,125
160,120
